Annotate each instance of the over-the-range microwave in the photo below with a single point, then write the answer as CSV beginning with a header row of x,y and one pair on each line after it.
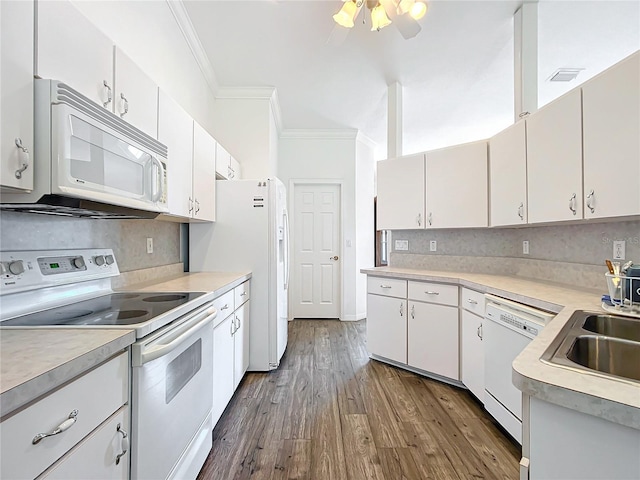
x,y
89,162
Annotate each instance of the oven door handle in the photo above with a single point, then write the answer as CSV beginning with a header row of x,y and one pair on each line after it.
x,y
177,336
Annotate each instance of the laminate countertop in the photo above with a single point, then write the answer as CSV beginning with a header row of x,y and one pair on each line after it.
x,y
34,362
614,400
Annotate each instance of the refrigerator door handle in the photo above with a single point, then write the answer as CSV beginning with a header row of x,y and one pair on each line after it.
x,y
286,250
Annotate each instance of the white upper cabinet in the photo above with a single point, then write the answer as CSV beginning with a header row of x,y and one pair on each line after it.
x,y
136,95
235,172
223,162
71,49
204,174
611,123
554,160
508,176
401,193
175,130
457,186
16,95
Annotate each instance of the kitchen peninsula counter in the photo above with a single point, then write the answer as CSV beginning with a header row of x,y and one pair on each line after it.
x,y
216,282
614,400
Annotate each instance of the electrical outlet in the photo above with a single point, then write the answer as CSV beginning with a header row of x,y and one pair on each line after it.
x,y
525,247
433,246
149,245
619,249
402,245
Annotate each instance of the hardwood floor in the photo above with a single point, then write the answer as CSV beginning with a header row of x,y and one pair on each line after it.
x,y
329,412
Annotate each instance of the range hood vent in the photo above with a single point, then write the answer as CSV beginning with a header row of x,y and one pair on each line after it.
x,y
56,205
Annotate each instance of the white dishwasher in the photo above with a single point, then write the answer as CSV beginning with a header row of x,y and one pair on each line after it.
x,y
508,329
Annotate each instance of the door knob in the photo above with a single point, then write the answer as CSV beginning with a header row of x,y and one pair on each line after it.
x,y
335,257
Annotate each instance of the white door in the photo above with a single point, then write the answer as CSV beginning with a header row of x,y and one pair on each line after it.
x,y
315,289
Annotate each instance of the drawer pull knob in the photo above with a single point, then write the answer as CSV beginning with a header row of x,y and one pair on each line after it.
x,y
432,293
124,444
472,302
68,423
243,294
385,286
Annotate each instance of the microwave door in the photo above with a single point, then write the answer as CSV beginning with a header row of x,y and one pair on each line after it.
x,y
93,161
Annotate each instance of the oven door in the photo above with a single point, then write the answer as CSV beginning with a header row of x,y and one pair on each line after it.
x,y
172,395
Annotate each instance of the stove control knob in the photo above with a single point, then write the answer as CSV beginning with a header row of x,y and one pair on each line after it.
x,y
109,259
16,267
98,260
78,262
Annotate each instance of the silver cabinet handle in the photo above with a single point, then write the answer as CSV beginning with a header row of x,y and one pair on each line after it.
x,y
479,332
413,311
66,425
419,219
226,306
190,205
243,294
432,293
233,326
107,90
197,206
382,285
472,302
124,105
572,203
124,445
23,155
430,218
591,201
401,309
521,211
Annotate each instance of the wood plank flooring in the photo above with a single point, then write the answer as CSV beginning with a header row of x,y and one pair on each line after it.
x,y
329,412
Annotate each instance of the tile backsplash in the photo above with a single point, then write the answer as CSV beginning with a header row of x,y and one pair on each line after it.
x,y
127,238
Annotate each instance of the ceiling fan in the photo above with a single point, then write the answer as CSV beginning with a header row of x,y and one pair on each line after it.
x,y
404,14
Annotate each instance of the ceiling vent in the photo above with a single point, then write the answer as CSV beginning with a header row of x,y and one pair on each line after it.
x,y
565,74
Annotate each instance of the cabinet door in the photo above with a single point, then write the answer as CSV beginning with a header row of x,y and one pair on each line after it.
x,y
223,162
175,130
472,354
234,169
136,95
241,342
387,327
71,49
401,193
95,456
554,160
16,94
432,338
611,123
508,176
457,186
223,366
204,174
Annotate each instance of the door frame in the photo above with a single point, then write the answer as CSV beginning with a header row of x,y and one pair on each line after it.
x,y
296,182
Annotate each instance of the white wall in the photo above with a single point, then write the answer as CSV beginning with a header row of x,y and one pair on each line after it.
x,y
325,155
149,34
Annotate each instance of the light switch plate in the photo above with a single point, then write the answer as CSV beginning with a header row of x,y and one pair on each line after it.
x,y
619,249
433,246
525,247
402,245
149,245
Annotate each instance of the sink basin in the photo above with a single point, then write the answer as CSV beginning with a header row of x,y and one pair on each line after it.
x,y
607,355
598,344
612,326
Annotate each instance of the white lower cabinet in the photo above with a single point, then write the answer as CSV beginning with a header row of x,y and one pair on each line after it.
x,y
91,435
472,353
433,339
223,363
241,344
387,327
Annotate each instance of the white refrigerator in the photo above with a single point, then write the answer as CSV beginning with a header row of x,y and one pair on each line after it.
x,y
251,232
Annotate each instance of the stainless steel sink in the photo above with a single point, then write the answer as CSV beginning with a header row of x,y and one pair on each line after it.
x,y
605,345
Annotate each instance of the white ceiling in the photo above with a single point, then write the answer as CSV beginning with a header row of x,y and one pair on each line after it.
x,y
457,74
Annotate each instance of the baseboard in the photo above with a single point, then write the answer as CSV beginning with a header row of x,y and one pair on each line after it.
x,y
354,318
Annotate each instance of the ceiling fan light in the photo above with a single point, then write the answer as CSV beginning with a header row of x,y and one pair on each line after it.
x,y
405,6
379,18
418,10
347,13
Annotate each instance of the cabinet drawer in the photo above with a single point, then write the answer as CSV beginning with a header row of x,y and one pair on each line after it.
x,y
472,301
225,306
390,287
95,395
434,293
95,456
242,293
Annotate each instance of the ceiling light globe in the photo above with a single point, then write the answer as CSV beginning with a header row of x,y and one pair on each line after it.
x,y
346,15
418,10
379,18
405,6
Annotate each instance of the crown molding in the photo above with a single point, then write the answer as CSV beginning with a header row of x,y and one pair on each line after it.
x,y
361,137
338,133
193,41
